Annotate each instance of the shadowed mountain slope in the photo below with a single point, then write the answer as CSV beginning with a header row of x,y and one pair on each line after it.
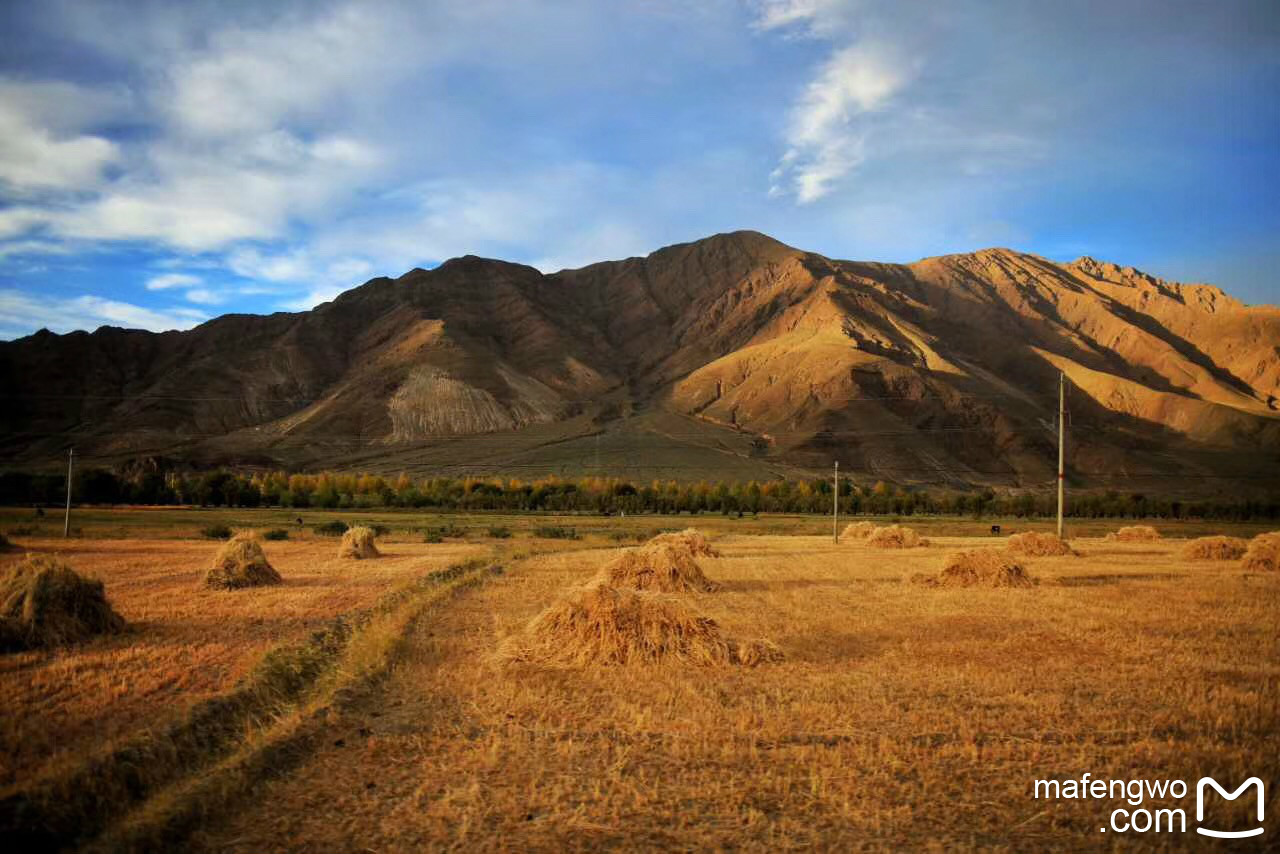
x,y
733,356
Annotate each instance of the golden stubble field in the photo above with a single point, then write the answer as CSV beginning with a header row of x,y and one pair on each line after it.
x,y
903,718
184,643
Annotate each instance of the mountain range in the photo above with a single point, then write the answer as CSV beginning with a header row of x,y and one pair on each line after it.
x,y
731,357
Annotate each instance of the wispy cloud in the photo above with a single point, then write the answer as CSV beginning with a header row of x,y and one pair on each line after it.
x,y
825,139
21,313
166,281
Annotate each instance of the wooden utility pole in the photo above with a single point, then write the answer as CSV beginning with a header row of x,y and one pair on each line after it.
x,y
66,520
835,504
1062,440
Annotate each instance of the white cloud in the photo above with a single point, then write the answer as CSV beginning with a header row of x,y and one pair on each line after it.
x,y
21,312
814,17
41,143
172,280
825,140
14,248
205,296
250,80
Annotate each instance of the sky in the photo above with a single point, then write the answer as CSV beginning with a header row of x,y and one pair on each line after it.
x,y
163,163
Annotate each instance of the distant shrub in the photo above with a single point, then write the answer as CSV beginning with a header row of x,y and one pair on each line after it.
x,y
22,530
556,532
440,532
380,530
335,528
275,534
216,532
498,532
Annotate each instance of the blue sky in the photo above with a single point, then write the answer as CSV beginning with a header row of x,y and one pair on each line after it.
x,y
163,163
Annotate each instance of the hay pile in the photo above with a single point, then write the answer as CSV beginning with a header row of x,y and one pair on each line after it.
x,y
241,562
1215,548
1135,534
1263,554
690,540
358,543
857,530
895,537
599,624
980,568
656,566
45,603
1032,544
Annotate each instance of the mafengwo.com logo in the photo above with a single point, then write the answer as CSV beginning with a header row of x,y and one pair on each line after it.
x,y
1136,817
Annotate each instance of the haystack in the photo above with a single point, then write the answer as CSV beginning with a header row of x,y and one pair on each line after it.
x,y
1135,534
358,543
980,568
44,603
599,624
1215,548
241,562
1033,544
690,540
895,537
656,566
1263,554
857,530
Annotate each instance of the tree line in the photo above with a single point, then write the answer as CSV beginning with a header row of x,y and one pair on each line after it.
x,y
330,490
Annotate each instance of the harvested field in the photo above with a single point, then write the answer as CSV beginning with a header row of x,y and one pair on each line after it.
x,y
184,644
358,543
1263,554
1215,548
883,693
857,530
241,563
895,537
659,565
1033,544
690,540
1135,534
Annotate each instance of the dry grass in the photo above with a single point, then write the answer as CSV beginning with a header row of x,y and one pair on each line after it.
x,y
358,544
857,530
897,722
1034,544
45,603
1215,548
690,540
1135,534
599,624
895,537
658,566
980,568
1263,554
241,563
185,644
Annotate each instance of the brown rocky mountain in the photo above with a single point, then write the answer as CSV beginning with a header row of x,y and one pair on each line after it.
x,y
735,356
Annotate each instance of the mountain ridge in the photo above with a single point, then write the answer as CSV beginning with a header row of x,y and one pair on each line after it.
x,y
737,348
